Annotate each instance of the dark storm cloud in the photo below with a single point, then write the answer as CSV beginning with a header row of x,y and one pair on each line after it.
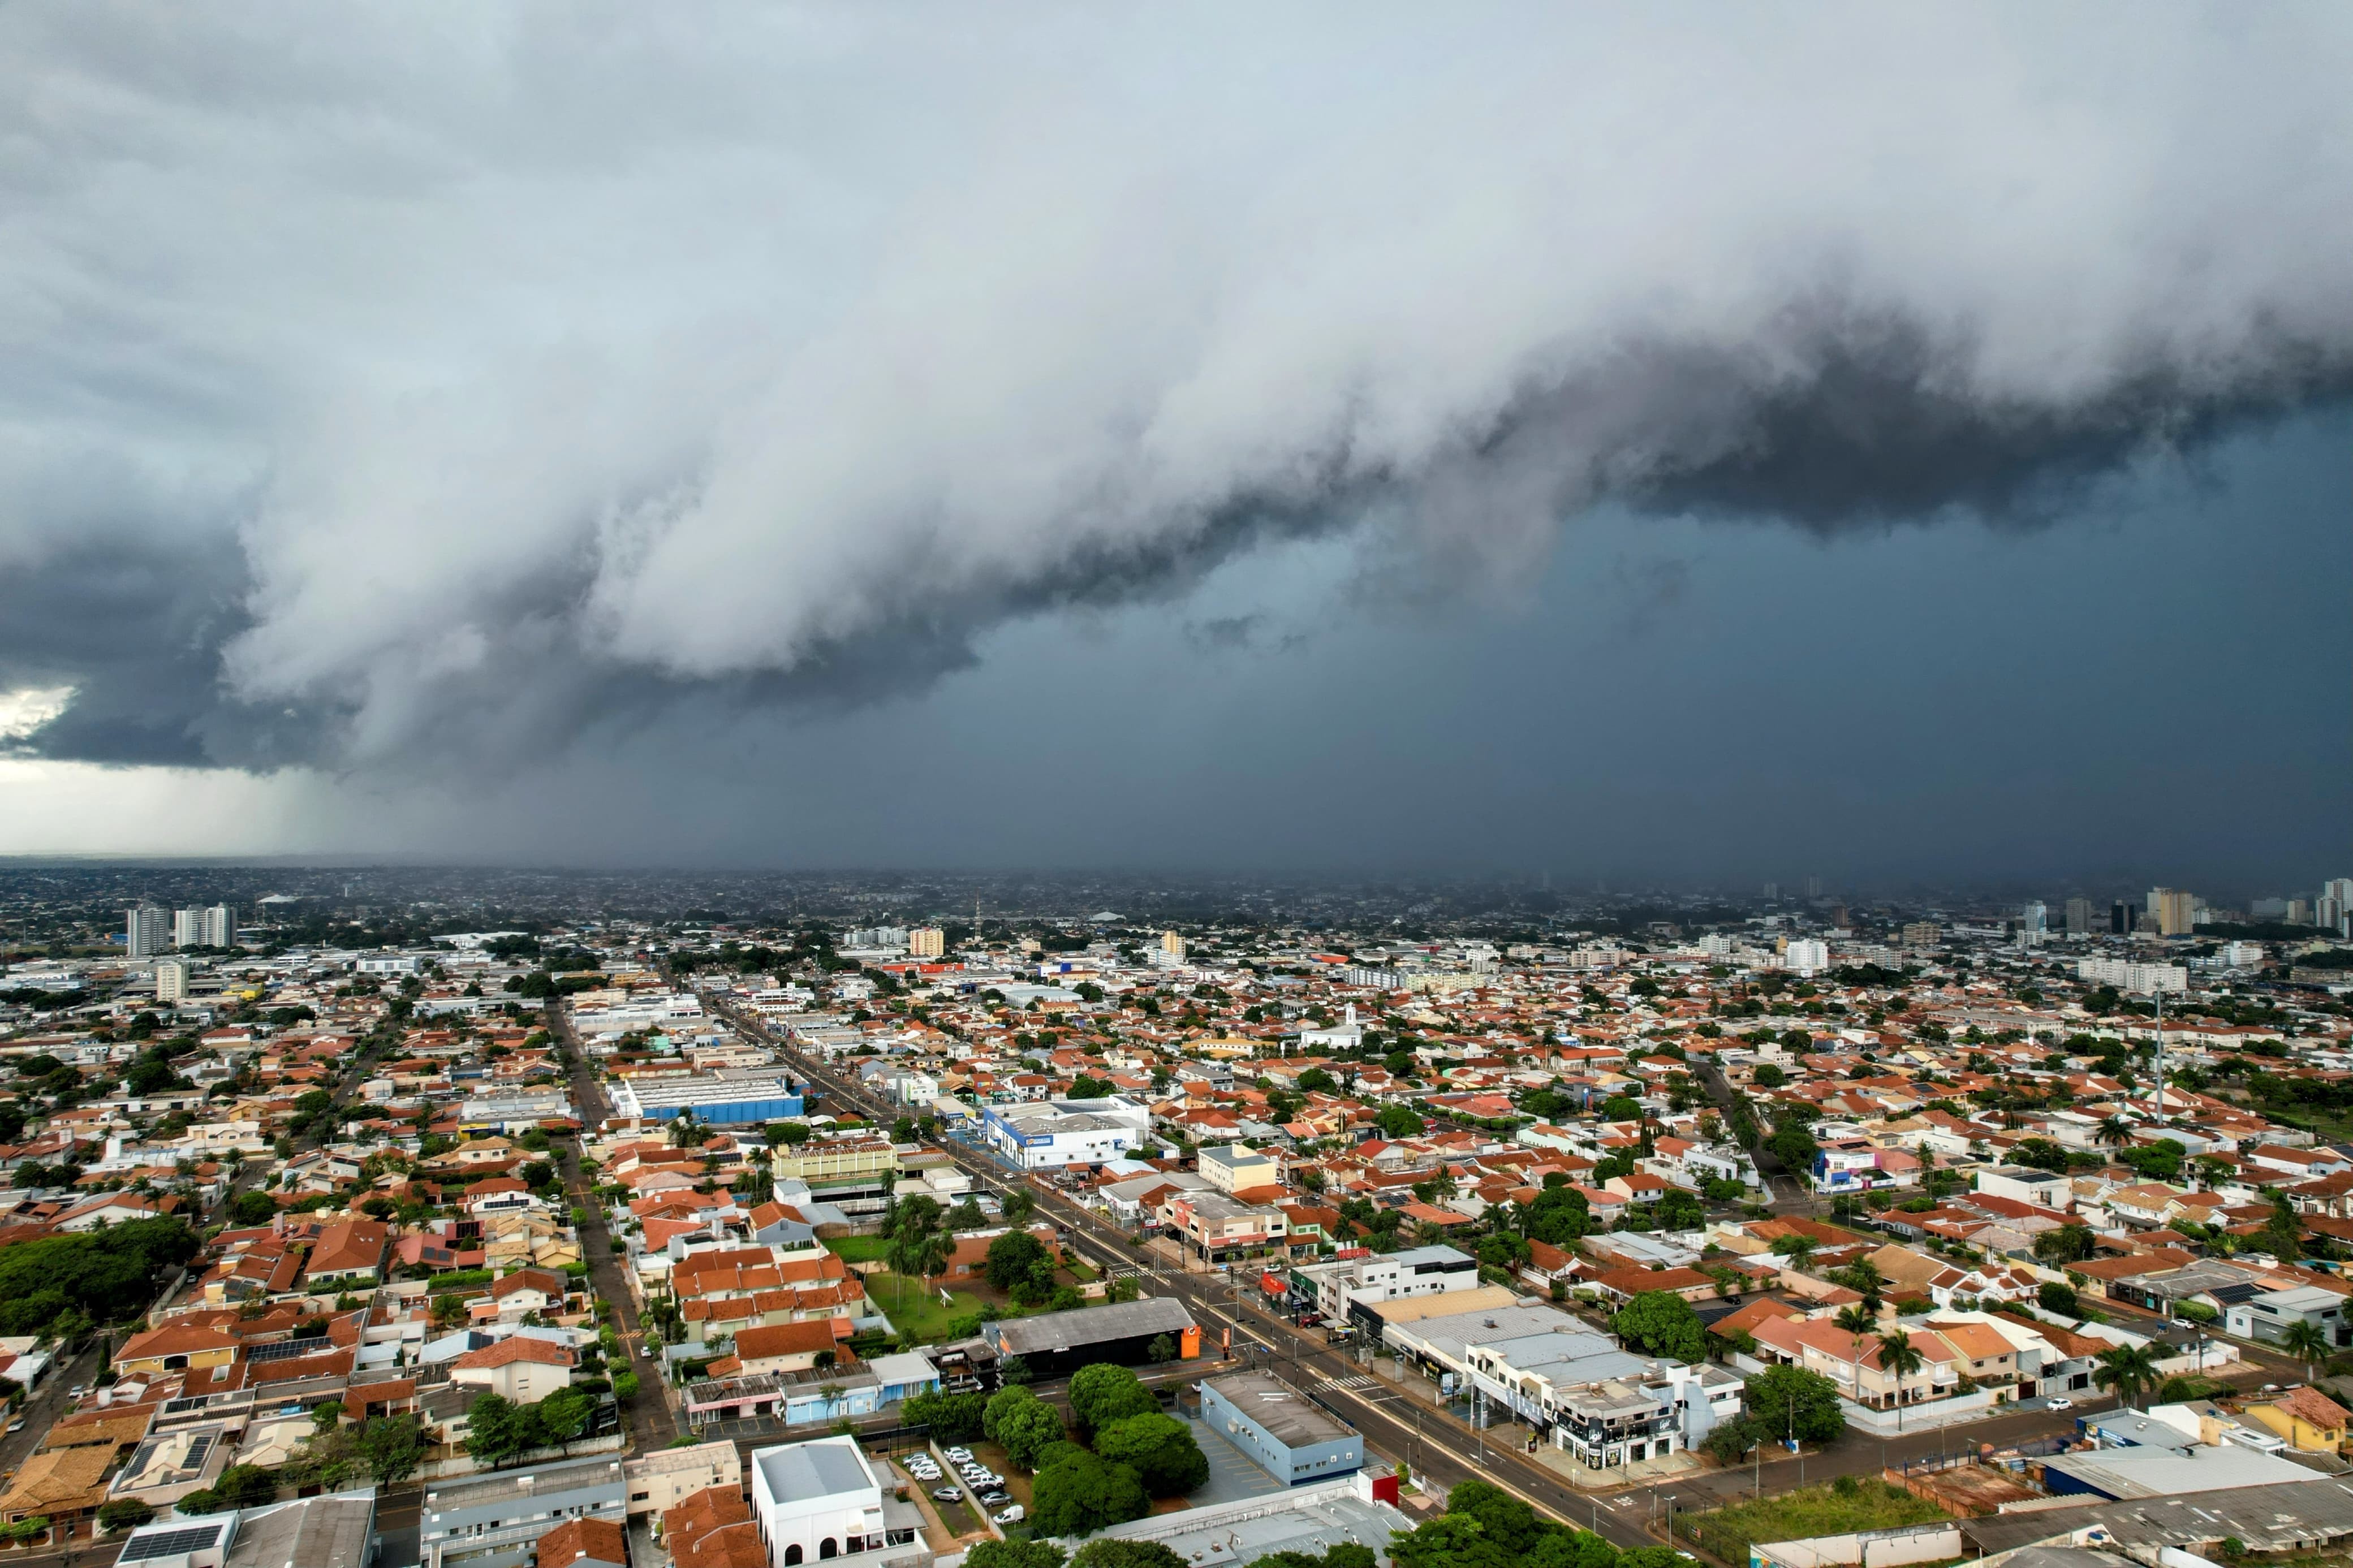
x,y
499,373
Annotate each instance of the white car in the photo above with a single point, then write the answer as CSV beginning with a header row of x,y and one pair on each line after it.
x,y
2062,1404
1010,1516
958,1454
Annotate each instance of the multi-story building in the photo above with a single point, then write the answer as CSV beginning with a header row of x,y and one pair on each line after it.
x,y
2176,910
1219,1228
2079,917
1416,1271
1921,935
2144,978
821,1499
147,930
1051,1135
1238,1168
926,941
1805,955
171,980
1173,943
494,1520
1288,1434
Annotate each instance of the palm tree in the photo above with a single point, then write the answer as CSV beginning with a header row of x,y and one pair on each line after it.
x,y
2115,1131
1798,1249
1899,1356
2129,1370
2307,1343
1858,1322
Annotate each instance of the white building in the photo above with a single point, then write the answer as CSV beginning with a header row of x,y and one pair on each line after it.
x,y
1055,1133
2128,976
146,931
1806,955
171,980
818,1501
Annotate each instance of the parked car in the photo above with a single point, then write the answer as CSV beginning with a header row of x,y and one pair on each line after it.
x,y
18,1425
995,1499
957,1453
1010,1516
2060,1403
946,1494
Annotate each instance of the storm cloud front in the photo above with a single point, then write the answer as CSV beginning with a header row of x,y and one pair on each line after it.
x,y
416,388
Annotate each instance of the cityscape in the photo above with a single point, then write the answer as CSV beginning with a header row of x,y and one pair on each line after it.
x,y
797,785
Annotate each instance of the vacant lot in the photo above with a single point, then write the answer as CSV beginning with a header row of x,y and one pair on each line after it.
x,y
858,1249
1728,1532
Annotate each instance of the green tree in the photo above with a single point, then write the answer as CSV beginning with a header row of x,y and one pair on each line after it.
x,y
2304,1341
1160,1447
1661,1322
952,1417
124,1513
2054,1297
1101,1393
1013,1554
1900,1358
393,1446
1397,1122
249,1210
1013,1257
1162,1348
2129,1370
1115,1554
497,1430
1857,1323
1078,1493
2065,1244
1791,1402
564,1414
1018,1205
1021,1423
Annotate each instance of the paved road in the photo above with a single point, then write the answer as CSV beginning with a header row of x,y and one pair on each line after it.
x,y
652,1423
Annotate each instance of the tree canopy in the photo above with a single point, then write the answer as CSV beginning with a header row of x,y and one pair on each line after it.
x,y
1661,1322
1101,1393
1161,1449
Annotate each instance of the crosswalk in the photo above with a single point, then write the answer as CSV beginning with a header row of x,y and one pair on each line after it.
x,y
1362,1380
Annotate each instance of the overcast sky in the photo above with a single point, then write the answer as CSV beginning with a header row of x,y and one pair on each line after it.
x,y
1692,443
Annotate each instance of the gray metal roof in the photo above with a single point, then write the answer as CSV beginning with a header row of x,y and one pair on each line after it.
x,y
2268,1518
1290,1416
2161,1472
1089,1326
824,1467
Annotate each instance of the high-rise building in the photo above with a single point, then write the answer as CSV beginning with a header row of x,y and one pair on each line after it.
x,y
1813,887
188,928
171,980
2079,917
1173,943
926,941
220,926
2035,919
2176,911
1806,955
2124,917
1923,934
2335,909
147,930
1772,890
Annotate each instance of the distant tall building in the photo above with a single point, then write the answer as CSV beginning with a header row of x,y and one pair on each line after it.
x,y
1772,890
1806,957
147,930
171,980
2176,911
1173,943
926,941
2035,919
1840,919
1813,887
220,926
2124,917
1923,934
2335,909
2079,917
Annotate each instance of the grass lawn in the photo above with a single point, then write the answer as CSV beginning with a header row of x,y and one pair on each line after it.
x,y
1815,1510
914,1307
860,1248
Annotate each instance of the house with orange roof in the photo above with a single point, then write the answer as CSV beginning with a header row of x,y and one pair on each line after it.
x,y
524,1368
2308,1419
714,1529
584,1542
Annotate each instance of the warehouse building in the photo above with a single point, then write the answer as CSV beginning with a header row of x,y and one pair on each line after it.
x,y
731,1096
1055,1344
1051,1134
1288,1435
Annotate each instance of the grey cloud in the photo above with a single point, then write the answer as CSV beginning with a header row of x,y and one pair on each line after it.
x,y
514,372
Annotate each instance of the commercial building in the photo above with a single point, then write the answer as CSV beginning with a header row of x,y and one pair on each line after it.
x,y
1051,1135
495,1521
1288,1435
337,1531
730,1095
1055,1344
821,1499
2266,1317
1341,1287
1359,1510
661,1480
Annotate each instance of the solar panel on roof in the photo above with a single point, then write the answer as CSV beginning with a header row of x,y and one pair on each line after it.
x,y
201,1445
286,1350
169,1543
